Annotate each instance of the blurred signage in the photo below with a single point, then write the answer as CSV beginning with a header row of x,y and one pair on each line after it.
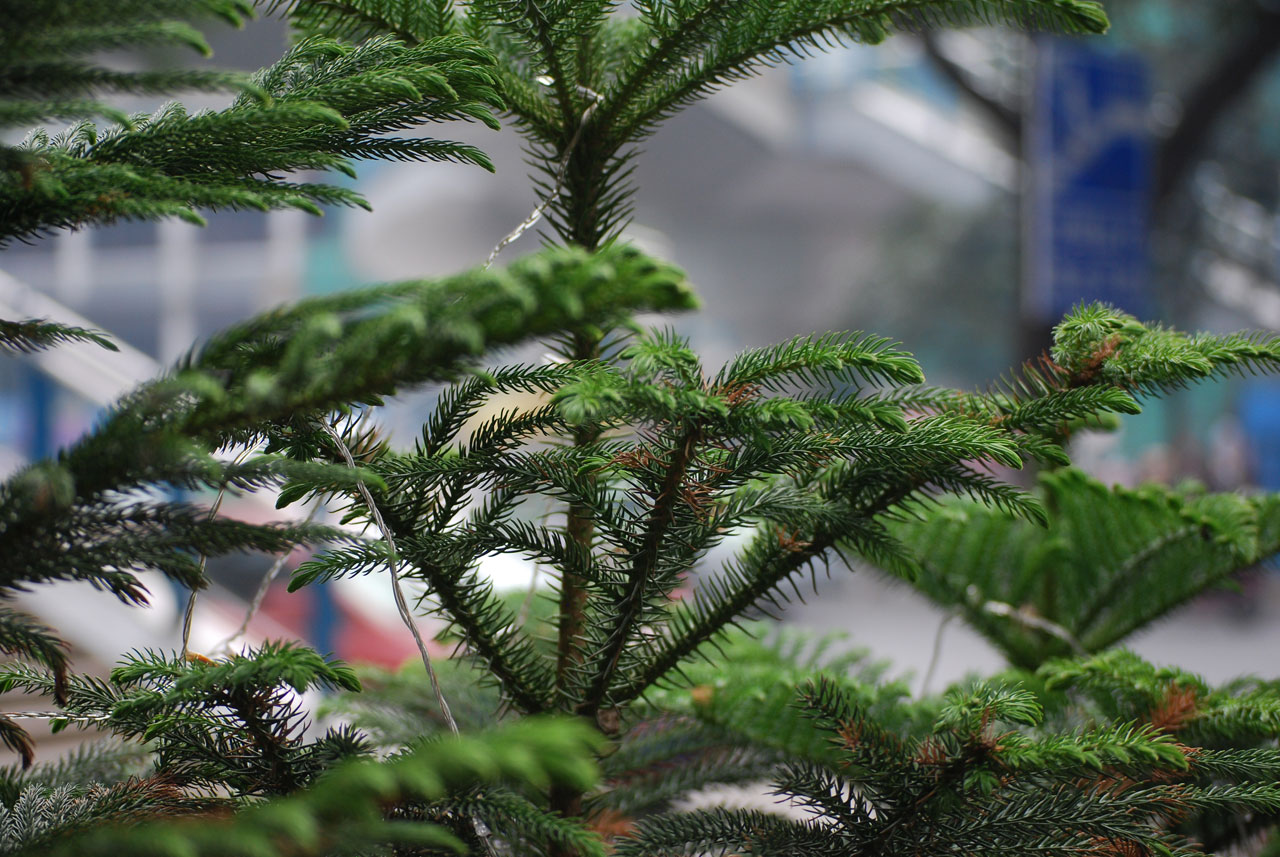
x,y
1089,156
1260,417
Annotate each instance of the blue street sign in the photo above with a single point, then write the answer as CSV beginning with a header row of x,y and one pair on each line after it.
x,y
41,396
1089,153
1260,418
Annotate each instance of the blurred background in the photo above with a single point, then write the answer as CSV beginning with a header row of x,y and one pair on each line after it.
x,y
958,191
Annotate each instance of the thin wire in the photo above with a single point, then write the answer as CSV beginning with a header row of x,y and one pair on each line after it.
x,y
561,170
999,608
402,606
264,586
54,715
393,563
189,614
937,652
526,605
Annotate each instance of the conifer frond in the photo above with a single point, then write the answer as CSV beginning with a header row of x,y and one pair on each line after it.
x,y
22,635
42,815
232,727
345,809
1104,361
1046,414
984,767
274,663
328,350
460,403
537,24
322,104
723,832
1111,559
86,700
64,13
657,356
411,21
106,762
1096,342
828,360
697,47
119,540
234,724
35,334
521,825
1120,685
337,564
47,52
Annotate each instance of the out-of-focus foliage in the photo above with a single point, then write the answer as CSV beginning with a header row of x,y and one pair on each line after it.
x,y
1106,753
1110,562
322,105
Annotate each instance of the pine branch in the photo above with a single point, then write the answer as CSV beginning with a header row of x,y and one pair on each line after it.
x,y
233,725
41,815
1097,343
426,330
549,52
829,360
647,556
523,826
725,831
106,762
322,104
980,769
345,810
24,636
357,20
1111,560
35,334
716,42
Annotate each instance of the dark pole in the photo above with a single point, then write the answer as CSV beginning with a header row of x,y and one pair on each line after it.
x,y
1035,328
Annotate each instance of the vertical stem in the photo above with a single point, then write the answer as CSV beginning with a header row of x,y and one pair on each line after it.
x,y
1034,334
573,594
582,180
580,526
585,161
565,801
1048,606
